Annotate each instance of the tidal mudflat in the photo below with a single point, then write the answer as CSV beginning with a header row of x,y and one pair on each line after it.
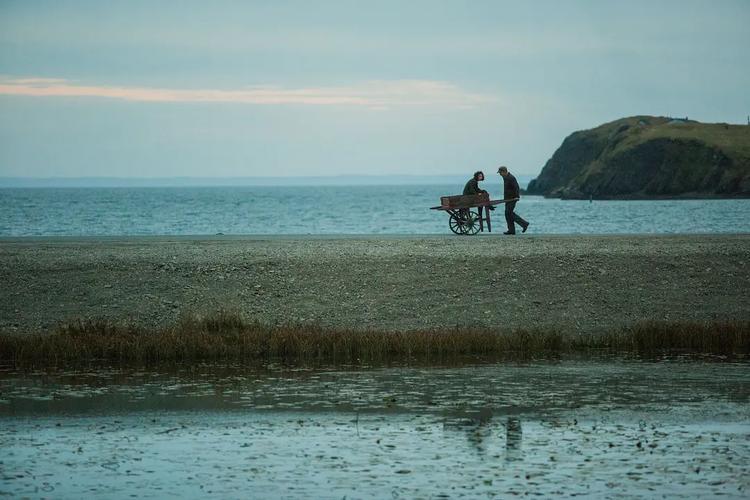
x,y
616,427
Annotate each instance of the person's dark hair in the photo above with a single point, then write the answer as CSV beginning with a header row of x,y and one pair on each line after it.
x,y
477,174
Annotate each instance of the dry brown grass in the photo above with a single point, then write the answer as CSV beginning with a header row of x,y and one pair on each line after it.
x,y
708,338
226,336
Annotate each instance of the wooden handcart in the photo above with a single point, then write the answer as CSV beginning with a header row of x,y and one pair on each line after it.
x,y
462,219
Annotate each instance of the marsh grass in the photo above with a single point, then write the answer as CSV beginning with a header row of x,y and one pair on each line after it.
x,y
709,338
227,337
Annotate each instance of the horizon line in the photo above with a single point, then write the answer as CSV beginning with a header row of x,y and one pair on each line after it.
x,y
187,181
224,176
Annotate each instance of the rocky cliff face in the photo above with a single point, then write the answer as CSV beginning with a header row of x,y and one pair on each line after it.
x,y
649,157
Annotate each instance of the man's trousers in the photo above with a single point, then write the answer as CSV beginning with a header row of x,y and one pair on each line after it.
x,y
512,218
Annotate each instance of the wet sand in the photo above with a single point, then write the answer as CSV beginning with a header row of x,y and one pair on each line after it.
x,y
574,283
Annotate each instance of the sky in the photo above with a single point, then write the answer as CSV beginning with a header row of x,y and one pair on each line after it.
x,y
308,88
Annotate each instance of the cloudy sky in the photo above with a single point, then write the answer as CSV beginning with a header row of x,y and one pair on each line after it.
x,y
287,88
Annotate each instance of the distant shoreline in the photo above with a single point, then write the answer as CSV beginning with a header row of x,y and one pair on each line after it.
x,y
323,182
332,180
639,197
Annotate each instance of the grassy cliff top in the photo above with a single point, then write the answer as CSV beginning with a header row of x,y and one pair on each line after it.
x,y
649,156
732,139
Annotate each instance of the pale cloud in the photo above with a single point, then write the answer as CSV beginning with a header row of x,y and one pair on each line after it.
x,y
35,81
375,95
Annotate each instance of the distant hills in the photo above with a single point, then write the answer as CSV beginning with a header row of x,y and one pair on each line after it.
x,y
135,182
343,180
649,157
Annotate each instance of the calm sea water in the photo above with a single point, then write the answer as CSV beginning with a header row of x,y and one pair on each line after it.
x,y
332,210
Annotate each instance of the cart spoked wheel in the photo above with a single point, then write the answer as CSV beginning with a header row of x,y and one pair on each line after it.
x,y
471,223
464,222
456,223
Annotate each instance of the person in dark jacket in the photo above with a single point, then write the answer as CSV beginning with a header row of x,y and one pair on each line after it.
x,y
472,187
511,194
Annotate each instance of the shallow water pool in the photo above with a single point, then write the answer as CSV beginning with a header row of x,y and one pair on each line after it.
x,y
570,427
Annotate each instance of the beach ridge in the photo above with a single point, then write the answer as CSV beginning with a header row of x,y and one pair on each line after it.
x,y
583,284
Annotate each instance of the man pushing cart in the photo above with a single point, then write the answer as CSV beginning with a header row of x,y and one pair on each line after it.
x,y
463,220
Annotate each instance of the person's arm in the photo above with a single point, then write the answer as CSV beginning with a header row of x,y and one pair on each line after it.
x,y
477,189
515,191
471,187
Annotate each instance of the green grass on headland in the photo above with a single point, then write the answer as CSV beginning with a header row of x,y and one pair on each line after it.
x,y
649,157
227,337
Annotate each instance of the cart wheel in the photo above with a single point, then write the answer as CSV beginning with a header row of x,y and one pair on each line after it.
x,y
471,223
457,224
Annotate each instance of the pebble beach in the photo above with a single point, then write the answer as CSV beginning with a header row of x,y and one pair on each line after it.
x,y
575,284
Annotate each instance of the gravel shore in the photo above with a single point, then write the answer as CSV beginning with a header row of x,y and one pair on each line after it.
x,y
575,283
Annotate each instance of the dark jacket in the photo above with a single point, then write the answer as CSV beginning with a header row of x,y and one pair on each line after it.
x,y
472,187
510,187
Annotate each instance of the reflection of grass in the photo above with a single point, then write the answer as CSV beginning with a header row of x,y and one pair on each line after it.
x,y
228,337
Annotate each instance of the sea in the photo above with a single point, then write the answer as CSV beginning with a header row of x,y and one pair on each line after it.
x,y
331,210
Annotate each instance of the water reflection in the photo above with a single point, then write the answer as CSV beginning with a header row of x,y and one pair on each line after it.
x,y
477,425
469,392
513,435
545,429
483,430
